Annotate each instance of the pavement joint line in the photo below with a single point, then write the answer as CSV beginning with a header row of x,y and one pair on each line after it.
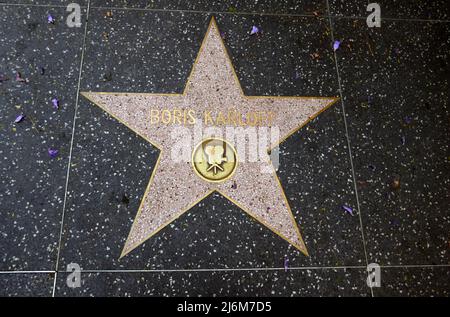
x,y
71,146
280,14
350,154
299,268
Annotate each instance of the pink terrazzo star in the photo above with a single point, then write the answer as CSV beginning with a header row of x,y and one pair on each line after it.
x,y
174,187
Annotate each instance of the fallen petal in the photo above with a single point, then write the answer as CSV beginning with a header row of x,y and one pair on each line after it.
x,y
254,30
53,153
19,118
55,103
336,45
348,209
19,78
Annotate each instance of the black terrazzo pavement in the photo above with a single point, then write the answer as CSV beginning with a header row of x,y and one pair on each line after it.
x,y
16,284
394,85
397,100
50,3
32,184
230,6
350,282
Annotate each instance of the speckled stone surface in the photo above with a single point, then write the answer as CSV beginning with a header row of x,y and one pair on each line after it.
x,y
26,284
53,3
395,90
31,182
235,6
393,9
350,282
414,282
397,100
348,8
417,9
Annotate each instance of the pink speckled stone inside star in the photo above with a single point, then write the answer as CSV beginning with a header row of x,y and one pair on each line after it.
x,y
174,186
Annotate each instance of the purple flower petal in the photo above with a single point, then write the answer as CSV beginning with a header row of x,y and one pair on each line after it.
x,y
19,118
348,210
286,264
19,78
336,45
53,153
254,30
55,103
50,19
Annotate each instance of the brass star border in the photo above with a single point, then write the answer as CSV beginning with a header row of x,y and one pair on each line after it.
x,y
301,248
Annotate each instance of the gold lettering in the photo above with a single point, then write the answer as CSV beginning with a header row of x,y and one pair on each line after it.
x,y
166,116
208,117
270,118
177,116
220,120
252,122
191,115
240,120
232,117
154,116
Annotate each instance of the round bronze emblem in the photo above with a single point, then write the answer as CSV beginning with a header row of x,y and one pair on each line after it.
x,y
214,160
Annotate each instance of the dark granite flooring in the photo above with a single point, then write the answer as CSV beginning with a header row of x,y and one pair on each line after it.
x,y
382,150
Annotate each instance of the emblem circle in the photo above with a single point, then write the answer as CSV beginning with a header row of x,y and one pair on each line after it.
x,y
214,160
